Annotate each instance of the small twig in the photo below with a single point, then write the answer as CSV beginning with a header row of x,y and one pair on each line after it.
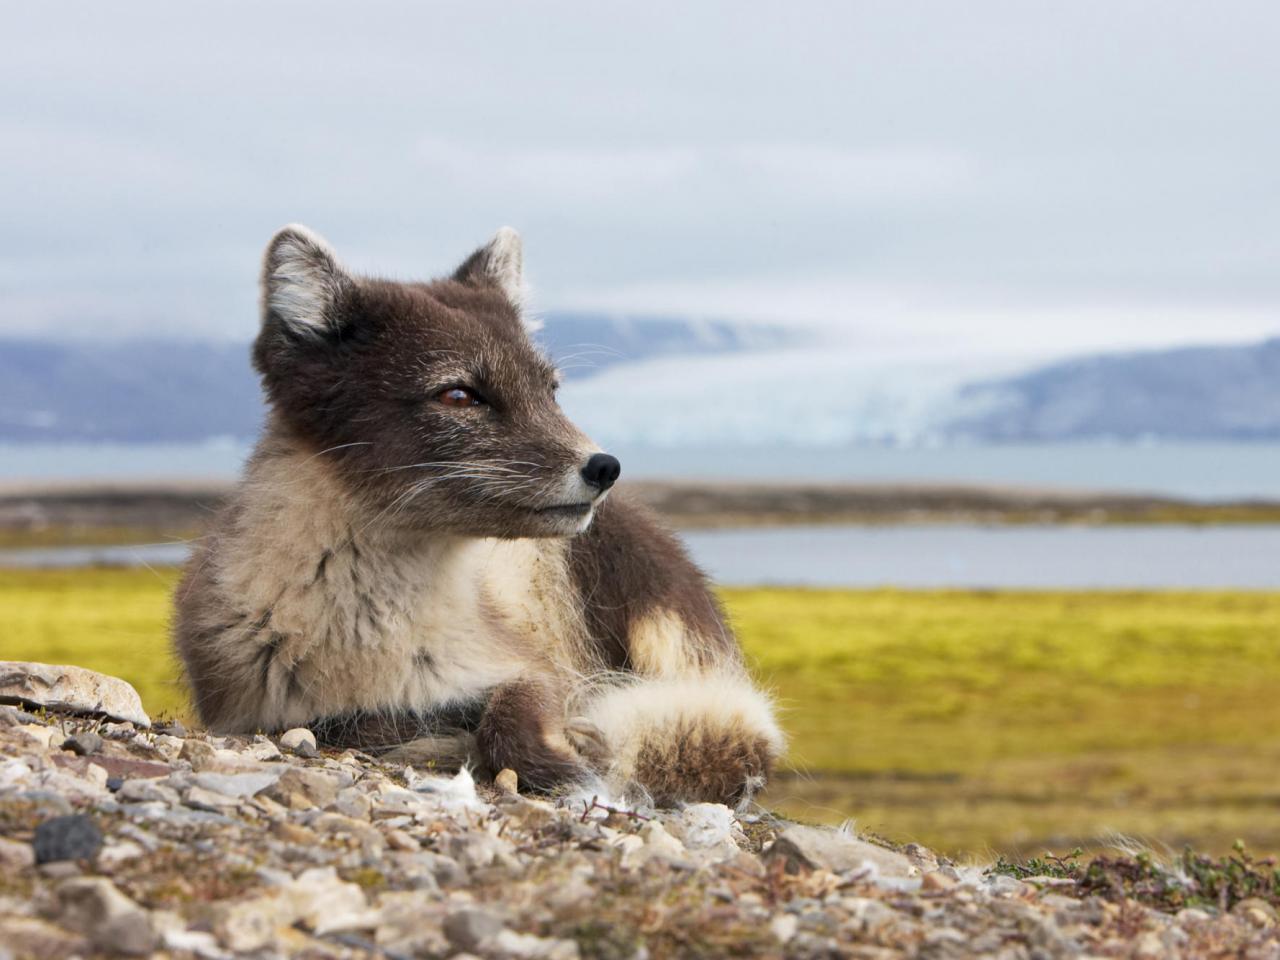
x,y
595,804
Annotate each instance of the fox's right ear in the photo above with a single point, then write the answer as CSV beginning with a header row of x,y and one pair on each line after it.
x,y
302,282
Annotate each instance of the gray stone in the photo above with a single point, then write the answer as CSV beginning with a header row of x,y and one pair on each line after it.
x,y
83,744
470,929
70,690
73,837
94,907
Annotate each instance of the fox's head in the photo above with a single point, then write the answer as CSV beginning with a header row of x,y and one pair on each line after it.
x,y
429,398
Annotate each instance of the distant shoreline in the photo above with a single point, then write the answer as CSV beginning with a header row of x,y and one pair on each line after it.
x,y
79,513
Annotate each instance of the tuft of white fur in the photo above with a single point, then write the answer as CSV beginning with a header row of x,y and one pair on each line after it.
x,y
504,263
301,277
458,791
648,711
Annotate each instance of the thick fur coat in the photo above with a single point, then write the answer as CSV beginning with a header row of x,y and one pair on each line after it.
x,y
424,556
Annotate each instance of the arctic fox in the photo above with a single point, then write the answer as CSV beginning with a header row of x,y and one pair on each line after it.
x,y
423,559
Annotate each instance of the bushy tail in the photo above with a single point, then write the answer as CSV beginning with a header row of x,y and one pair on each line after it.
x,y
706,738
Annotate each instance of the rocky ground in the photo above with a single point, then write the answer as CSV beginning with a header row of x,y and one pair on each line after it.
x,y
118,837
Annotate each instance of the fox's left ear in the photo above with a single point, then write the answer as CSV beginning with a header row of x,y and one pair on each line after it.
x,y
303,284
499,263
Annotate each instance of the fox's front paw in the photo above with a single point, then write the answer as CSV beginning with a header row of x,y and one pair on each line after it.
x,y
517,732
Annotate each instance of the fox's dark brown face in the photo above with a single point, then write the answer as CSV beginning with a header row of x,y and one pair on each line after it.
x,y
429,398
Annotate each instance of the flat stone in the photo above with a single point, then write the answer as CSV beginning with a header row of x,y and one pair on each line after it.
x,y
70,689
199,798
241,785
94,907
815,848
123,767
71,837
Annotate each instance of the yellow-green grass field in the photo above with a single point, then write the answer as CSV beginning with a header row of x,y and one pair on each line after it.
x,y
975,722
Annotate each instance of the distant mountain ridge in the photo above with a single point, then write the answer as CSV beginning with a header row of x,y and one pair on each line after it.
x,y
155,391
1189,393
176,391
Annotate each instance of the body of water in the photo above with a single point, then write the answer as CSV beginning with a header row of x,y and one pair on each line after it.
x,y
1162,557
1199,471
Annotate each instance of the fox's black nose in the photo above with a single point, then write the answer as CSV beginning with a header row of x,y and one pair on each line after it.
x,y
601,471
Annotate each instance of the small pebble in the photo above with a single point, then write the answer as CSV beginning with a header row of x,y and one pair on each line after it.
x,y
507,781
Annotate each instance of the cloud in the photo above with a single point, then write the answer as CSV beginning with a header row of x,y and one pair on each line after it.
x,y
990,174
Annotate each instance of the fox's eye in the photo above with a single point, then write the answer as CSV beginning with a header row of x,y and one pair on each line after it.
x,y
459,397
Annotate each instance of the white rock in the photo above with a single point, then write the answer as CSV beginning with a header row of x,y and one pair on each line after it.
x,y
784,927
659,843
526,946
198,942
709,830
114,854
72,689
299,740
326,904
262,750
15,773
706,825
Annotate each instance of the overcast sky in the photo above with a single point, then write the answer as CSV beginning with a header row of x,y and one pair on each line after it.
x,y
967,177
